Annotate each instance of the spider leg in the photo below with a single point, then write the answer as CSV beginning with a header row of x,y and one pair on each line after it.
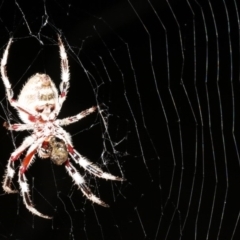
x,y
8,86
91,167
80,182
4,73
64,85
76,118
10,167
18,126
23,181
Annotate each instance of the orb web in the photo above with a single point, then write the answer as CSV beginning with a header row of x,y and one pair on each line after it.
x,y
165,76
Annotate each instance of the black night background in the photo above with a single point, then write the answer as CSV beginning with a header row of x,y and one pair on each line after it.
x,y
166,77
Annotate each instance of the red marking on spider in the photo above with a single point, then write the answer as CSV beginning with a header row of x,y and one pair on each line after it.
x,y
32,118
26,161
70,149
45,145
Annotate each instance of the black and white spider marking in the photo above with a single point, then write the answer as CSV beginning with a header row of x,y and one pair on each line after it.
x,y
38,106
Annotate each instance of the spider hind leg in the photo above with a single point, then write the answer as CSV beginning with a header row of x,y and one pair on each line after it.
x,y
80,182
91,167
26,197
24,185
10,172
7,181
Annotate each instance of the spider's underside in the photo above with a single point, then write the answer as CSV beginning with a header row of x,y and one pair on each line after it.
x,y
38,106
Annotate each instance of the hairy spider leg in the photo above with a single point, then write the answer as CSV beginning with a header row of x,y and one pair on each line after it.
x,y
23,181
7,181
4,72
86,164
65,76
80,182
77,117
89,166
8,86
18,126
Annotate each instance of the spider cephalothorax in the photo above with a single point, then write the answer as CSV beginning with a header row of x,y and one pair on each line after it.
x,y
38,106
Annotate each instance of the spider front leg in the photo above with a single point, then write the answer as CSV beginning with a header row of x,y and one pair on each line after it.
x,y
80,182
23,181
7,181
4,76
65,76
8,86
4,73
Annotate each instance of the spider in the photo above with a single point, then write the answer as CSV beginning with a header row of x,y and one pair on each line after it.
x,y
38,106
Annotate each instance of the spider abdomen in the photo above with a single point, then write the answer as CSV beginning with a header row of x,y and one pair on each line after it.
x,y
40,96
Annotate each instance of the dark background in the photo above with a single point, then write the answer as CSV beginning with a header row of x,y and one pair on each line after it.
x,y
166,74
